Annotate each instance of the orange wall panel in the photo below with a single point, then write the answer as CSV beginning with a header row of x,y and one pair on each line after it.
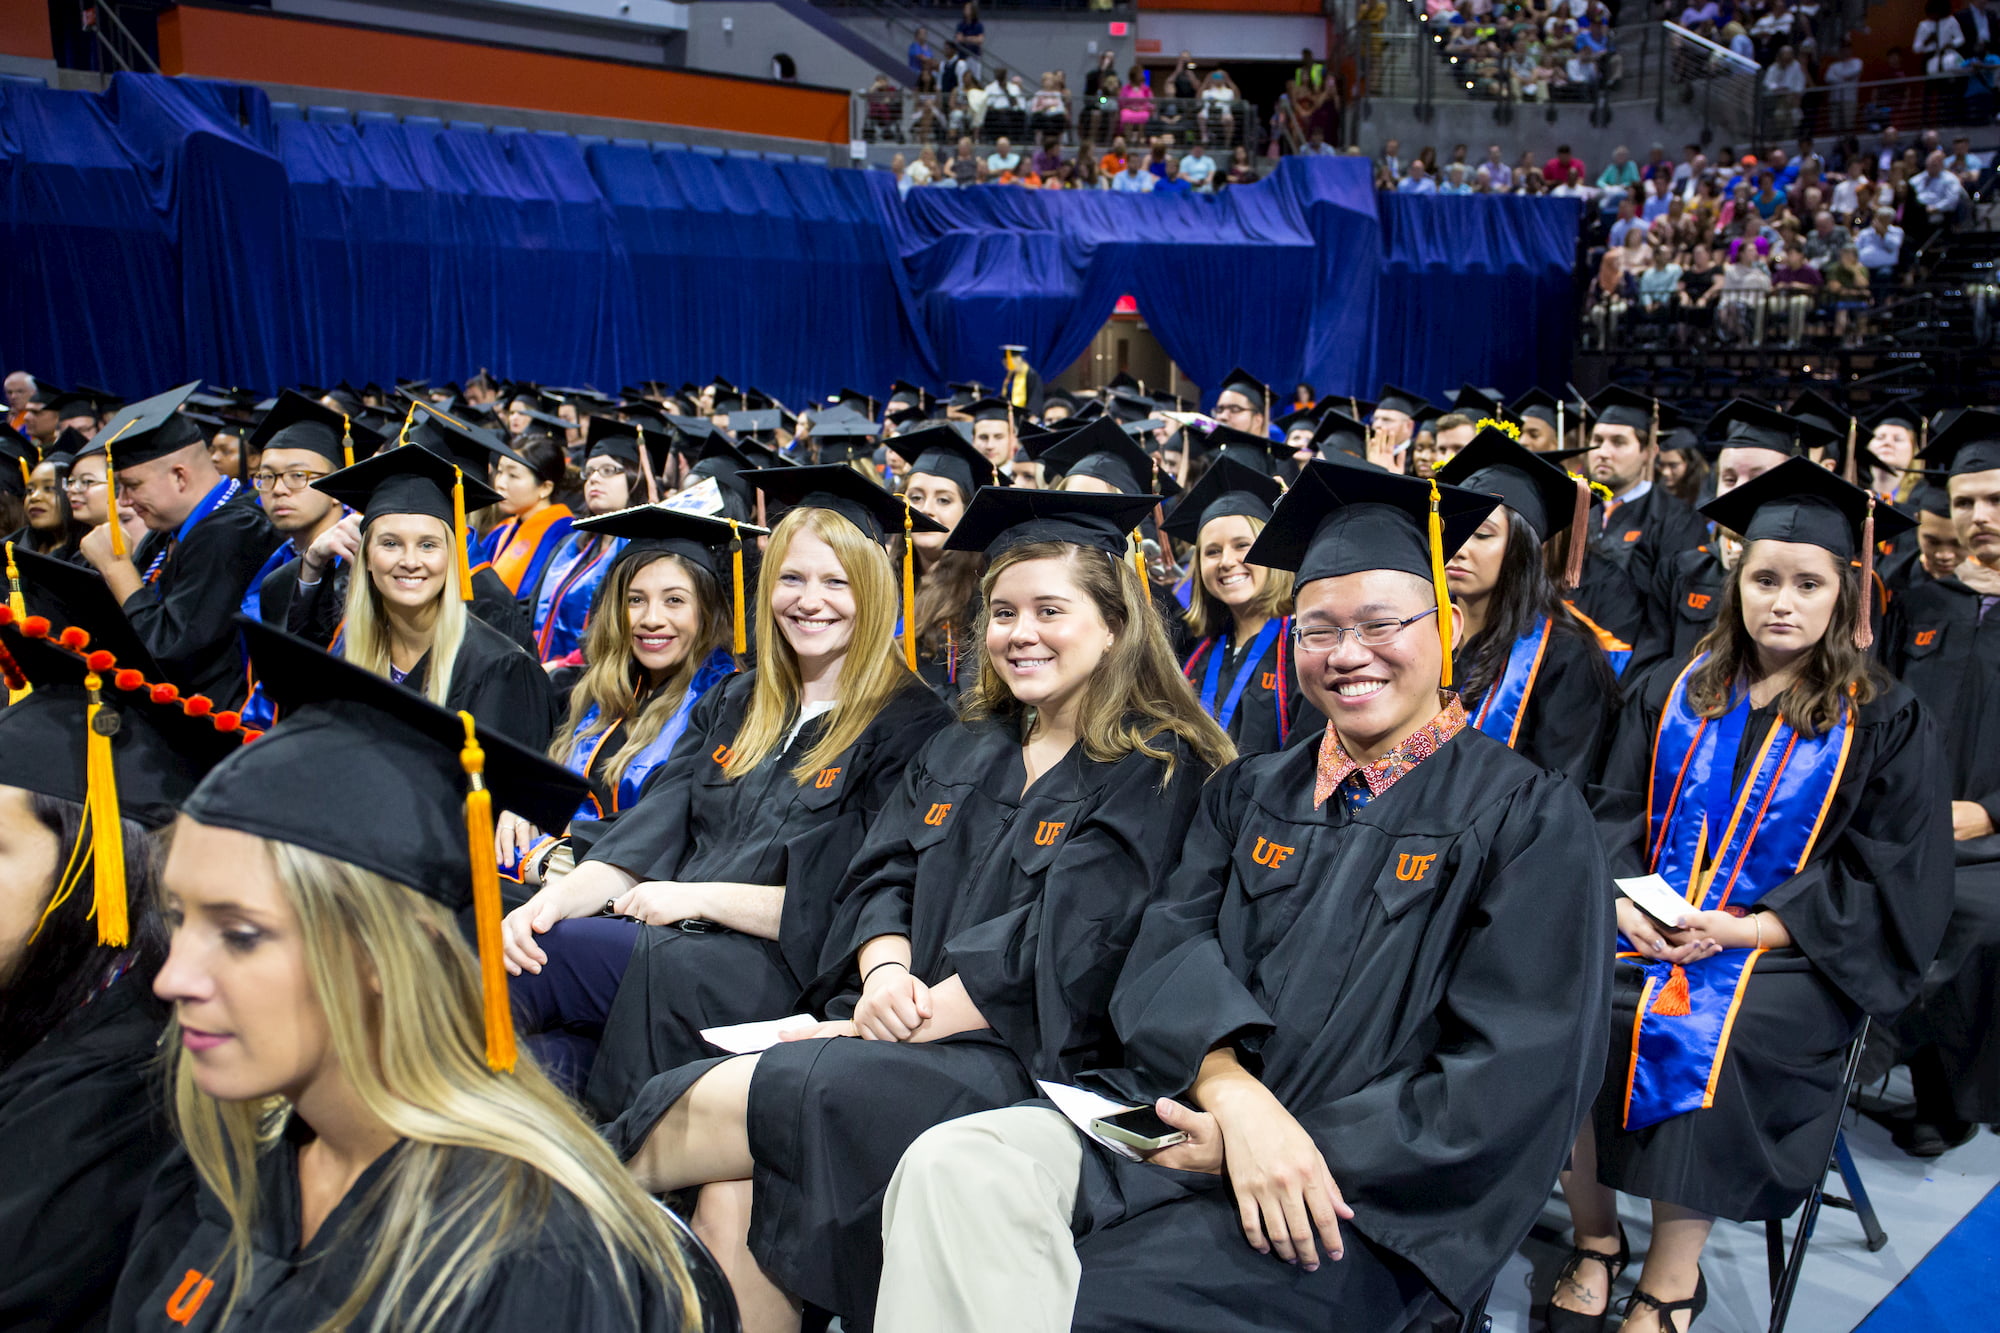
x,y
264,48
24,29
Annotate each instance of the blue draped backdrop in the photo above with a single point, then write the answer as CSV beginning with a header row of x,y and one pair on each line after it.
x,y
169,229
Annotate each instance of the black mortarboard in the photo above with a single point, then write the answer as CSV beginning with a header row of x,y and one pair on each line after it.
x,y
1342,435
1058,398
940,451
1243,382
1931,499
766,421
1003,517
604,437
715,544
70,594
854,400
1620,406
727,466
1905,412
21,454
1543,494
1744,424
846,492
1413,405
909,416
992,409
1813,406
149,429
408,481
299,422
1800,501
1476,402
1541,404
843,437
45,396
101,400
1123,380
1971,443
1305,418
1225,489
1260,453
471,447
1101,449
69,403
905,392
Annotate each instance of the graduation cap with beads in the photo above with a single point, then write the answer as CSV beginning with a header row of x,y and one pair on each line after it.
x,y
419,789
714,544
1338,520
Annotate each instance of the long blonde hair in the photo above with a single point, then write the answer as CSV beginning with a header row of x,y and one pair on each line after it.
x,y
365,630
1137,692
870,677
400,991
1210,618
613,682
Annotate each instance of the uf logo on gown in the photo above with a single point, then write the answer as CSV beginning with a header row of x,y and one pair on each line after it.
x,y
1699,600
723,754
1268,853
826,778
1926,637
1047,832
1412,868
1269,680
188,1296
935,815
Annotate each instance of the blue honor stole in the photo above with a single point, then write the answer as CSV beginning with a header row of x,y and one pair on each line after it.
x,y
1224,711
1720,845
1506,701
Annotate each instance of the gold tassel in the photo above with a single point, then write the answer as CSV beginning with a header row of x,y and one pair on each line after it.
x,y
107,832
486,902
111,493
1864,628
1139,560
27,477
1674,1000
909,591
458,535
14,601
346,440
738,642
1438,586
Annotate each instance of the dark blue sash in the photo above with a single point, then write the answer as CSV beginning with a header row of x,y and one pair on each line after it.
x,y
1506,703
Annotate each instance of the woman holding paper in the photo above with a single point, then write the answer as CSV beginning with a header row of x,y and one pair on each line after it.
x,y
719,882
979,931
1789,791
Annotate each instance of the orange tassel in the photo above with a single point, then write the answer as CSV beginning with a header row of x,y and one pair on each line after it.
x,y
1864,628
738,641
458,535
346,440
1673,1001
500,1051
1439,587
1579,536
111,493
107,832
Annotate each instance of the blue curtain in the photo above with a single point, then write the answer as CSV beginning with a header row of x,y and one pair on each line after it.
x,y
169,230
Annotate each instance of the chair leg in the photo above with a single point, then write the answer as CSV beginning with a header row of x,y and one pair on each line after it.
x,y
1857,1195
1774,1253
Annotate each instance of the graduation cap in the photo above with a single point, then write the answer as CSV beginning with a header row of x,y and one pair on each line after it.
x,y
1260,453
1620,406
1339,520
1062,398
1971,443
846,492
708,542
419,789
909,416
1101,449
20,453
472,448
147,430
66,403
726,465
855,401
1304,418
843,434
1476,402
762,421
1412,405
992,409
1252,389
1342,436
1750,425
1000,518
1227,488
940,451
607,437
1547,498
299,422
1129,407
1124,380
964,395
1813,406
413,481
1545,406
902,391
1800,501
1932,499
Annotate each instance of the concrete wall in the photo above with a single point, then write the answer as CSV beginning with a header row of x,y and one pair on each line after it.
x,y
756,32
1212,37
584,28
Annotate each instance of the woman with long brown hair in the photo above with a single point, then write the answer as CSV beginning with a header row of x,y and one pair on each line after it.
x,y
706,903
979,930
1790,794
945,472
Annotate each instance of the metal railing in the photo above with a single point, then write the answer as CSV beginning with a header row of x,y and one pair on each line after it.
x,y
895,115
114,39
1962,99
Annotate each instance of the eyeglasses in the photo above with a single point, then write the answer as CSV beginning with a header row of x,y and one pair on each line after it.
x,y
1232,409
294,481
1370,633
604,472
74,484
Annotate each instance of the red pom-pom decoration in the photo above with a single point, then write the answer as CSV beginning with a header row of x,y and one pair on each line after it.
x,y
100,661
6,614
36,627
165,694
250,735
198,705
127,679
73,637
226,721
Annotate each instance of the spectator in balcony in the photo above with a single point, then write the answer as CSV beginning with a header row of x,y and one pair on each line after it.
x,y
1941,194
1171,120
1745,283
1418,181
1498,173
1135,179
1617,179
1826,240
1527,75
1156,157
1048,113
1627,222
885,109
1184,84
970,35
1006,106
923,171
1659,196
1660,292
1785,85
1242,171
1217,115
1135,102
927,118
1456,181
1198,169
1737,38
1776,28
1847,288
1049,158
1171,182
1557,169
1767,199
1696,14
965,168
1880,246
1100,110
1115,159
1939,40
1840,75
1798,284
1390,161
1003,159
921,52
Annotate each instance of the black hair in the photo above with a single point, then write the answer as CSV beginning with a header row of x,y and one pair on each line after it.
x,y
1523,591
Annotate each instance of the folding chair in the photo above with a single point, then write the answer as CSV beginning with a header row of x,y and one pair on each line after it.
x,y
711,1284
1785,1268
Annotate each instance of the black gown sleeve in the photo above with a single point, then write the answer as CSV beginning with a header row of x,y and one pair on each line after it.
x,y
1042,974
504,687
1618,798
315,609
875,894
650,839
1571,711
187,626
492,603
1870,911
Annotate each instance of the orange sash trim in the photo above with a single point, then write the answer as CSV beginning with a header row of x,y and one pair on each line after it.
x,y
524,537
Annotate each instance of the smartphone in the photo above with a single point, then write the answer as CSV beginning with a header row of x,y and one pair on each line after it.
x,y
1141,1128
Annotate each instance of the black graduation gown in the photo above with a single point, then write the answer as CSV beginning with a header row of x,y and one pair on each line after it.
x,y
1435,1025
499,683
1621,574
937,668
1688,593
1571,708
766,827
184,616
1031,900
1254,726
553,1275
317,614
1950,659
1865,916
82,1118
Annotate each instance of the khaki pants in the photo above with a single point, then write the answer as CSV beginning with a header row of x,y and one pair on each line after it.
x,y
975,1227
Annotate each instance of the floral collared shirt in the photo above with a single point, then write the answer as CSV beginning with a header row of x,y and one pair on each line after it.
x,y
1336,767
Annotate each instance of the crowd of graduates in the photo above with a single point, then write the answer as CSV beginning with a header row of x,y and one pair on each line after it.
x,y
499,856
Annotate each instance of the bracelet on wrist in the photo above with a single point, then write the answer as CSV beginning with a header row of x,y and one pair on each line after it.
x,y
892,962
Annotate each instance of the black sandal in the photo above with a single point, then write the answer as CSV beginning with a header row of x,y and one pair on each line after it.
x,y
1666,1310
1576,1321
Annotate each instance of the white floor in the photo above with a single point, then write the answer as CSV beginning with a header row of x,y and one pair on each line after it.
x,y
1917,1202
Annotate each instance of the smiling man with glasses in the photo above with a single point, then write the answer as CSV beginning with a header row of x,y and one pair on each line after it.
x,y
1374,999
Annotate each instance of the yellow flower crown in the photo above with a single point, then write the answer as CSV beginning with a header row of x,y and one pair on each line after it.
x,y
1507,428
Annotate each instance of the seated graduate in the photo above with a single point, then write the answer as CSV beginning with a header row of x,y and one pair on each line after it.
x,y
1241,667
535,526
1781,754
979,930
407,619
360,1146
1373,997
664,633
49,525
612,480
80,940
945,472
719,882
1943,642
1530,674
299,441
